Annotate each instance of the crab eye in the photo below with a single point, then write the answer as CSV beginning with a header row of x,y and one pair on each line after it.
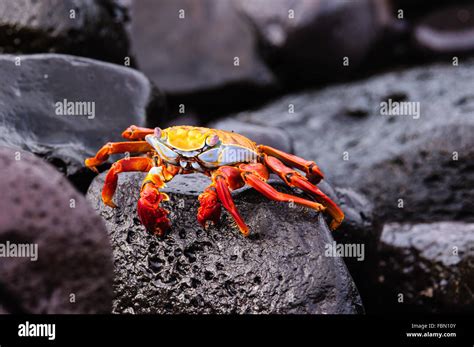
x,y
160,134
212,140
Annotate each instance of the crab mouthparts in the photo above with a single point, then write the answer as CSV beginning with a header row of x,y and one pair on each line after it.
x,y
190,165
187,154
184,164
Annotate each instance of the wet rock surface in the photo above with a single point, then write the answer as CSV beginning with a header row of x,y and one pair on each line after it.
x,y
359,220
95,29
73,271
414,9
306,41
424,158
36,98
430,264
190,49
280,268
446,31
360,229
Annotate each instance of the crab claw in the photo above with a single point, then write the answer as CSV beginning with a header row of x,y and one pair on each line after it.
x,y
314,174
152,216
210,208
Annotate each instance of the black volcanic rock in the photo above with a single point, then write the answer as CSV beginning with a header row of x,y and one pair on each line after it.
x,y
360,228
416,9
306,41
192,58
430,264
425,160
29,94
447,31
73,271
95,29
280,268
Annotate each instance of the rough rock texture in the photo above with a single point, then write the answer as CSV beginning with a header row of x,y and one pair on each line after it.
x,y
446,31
359,224
29,94
280,268
74,257
360,227
264,135
430,264
95,29
391,157
192,58
305,41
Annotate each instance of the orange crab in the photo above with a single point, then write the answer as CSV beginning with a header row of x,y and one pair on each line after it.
x,y
229,159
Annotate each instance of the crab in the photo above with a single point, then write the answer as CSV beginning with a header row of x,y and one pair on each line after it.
x,y
231,161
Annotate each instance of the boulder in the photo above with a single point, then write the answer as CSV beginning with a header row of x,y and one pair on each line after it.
x,y
66,262
427,267
415,9
413,161
201,54
64,108
360,228
280,268
95,29
446,31
307,41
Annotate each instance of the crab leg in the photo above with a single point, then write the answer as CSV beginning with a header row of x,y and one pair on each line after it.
x,y
295,179
116,147
136,133
224,179
267,190
209,207
313,173
123,165
151,214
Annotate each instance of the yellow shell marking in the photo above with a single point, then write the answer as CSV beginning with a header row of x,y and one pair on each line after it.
x,y
189,138
186,138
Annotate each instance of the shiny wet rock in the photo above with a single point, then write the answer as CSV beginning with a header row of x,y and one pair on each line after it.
x,y
95,29
116,97
280,268
431,264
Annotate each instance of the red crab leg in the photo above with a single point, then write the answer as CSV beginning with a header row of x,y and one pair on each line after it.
x,y
116,147
267,190
224,179
136,133
313,173
151,214
295,179
209,207
123,165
